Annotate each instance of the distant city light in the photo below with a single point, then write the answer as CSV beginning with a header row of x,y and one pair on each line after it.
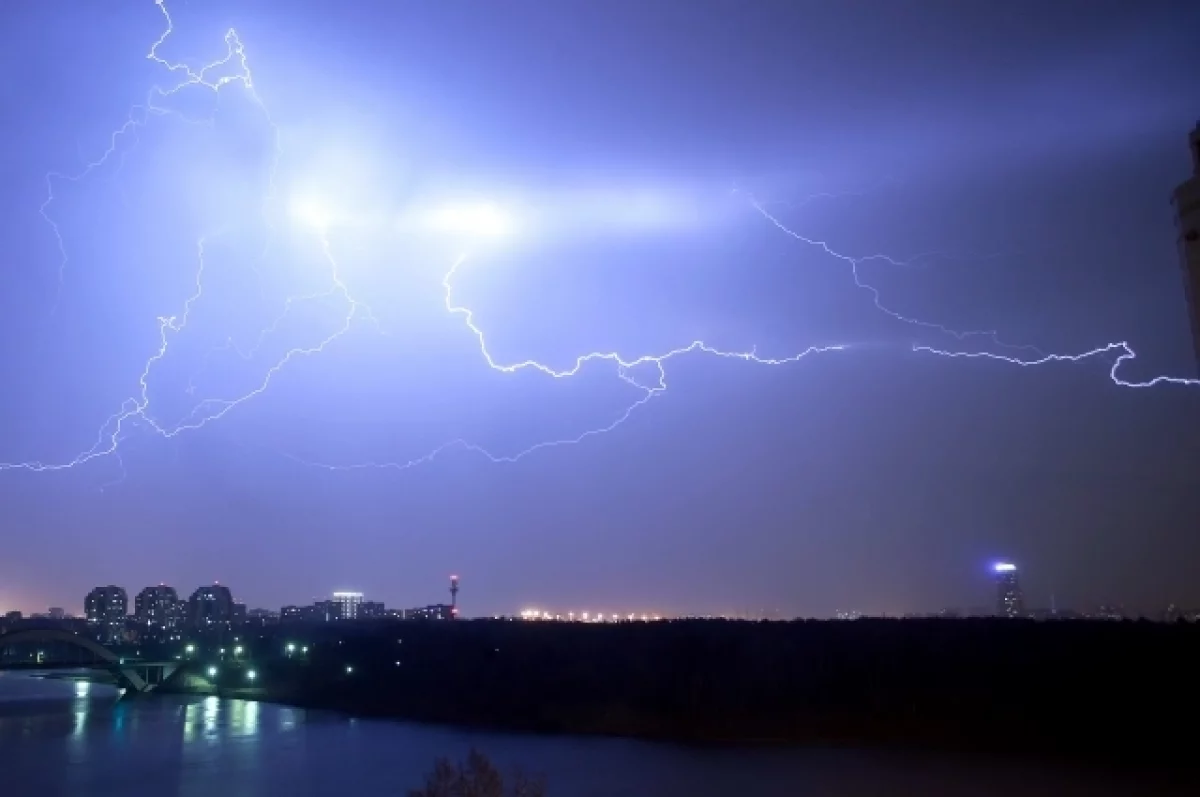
x,y
586,617
251,675
1004,567
212,672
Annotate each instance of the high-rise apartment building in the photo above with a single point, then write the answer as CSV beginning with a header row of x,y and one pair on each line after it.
x,y
438,611
1186,200
371,610
347,604
209,606
105,609
323,612
1009,600
158,608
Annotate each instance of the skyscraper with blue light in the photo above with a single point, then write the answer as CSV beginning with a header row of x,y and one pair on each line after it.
x,y
1009,601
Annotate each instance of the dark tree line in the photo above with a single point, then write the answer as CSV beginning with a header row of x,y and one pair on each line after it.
x,y
1062,687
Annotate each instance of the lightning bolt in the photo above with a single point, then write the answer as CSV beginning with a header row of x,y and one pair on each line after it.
x,y
856,262
624,368
1125,352
233,69
136,410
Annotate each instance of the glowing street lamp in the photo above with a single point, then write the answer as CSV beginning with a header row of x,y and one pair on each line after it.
x,y
212,672
251,675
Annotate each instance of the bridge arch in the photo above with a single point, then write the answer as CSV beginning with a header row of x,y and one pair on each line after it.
x,y
34,635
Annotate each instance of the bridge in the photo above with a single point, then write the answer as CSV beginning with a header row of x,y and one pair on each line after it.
x,y
135,676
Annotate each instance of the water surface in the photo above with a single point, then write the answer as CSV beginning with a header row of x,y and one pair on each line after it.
x,y
61,738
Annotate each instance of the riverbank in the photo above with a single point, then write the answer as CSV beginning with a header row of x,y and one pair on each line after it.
x,y
1110,692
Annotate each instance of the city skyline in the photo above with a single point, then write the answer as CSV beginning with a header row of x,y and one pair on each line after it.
x,y
1003,577
253,349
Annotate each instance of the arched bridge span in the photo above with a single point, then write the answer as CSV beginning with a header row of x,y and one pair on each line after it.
x,y
126,674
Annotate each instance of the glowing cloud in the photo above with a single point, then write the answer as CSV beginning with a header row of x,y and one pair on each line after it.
x,y
343,197
479,219
310,212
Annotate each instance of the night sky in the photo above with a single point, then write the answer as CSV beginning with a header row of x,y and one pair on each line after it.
x,y
1031,147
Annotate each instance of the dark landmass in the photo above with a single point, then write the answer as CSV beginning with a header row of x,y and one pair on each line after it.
x,y
1111,691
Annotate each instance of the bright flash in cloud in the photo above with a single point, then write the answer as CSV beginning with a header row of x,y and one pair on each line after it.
x,y
479,219
310,211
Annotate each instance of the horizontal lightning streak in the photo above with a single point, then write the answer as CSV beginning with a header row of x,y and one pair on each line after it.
x,y
1126,354
135,411
624,367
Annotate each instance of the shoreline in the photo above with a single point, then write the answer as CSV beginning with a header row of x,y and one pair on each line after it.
x,y
961,748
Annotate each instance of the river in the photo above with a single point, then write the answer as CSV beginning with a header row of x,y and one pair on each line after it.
x,y
61,738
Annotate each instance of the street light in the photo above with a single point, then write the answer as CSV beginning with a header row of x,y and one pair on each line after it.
x,y
212,672
251,675
291,648
190,649
237,651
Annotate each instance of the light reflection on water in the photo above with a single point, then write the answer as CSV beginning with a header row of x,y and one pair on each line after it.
x,y
63,738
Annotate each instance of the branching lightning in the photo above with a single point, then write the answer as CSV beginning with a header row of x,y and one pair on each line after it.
x,y
233,69
136,411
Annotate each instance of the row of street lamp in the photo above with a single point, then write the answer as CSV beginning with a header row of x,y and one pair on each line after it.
x,y
251,675
290,649
212,674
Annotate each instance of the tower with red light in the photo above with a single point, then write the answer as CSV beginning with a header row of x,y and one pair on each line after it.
x,y
454,596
